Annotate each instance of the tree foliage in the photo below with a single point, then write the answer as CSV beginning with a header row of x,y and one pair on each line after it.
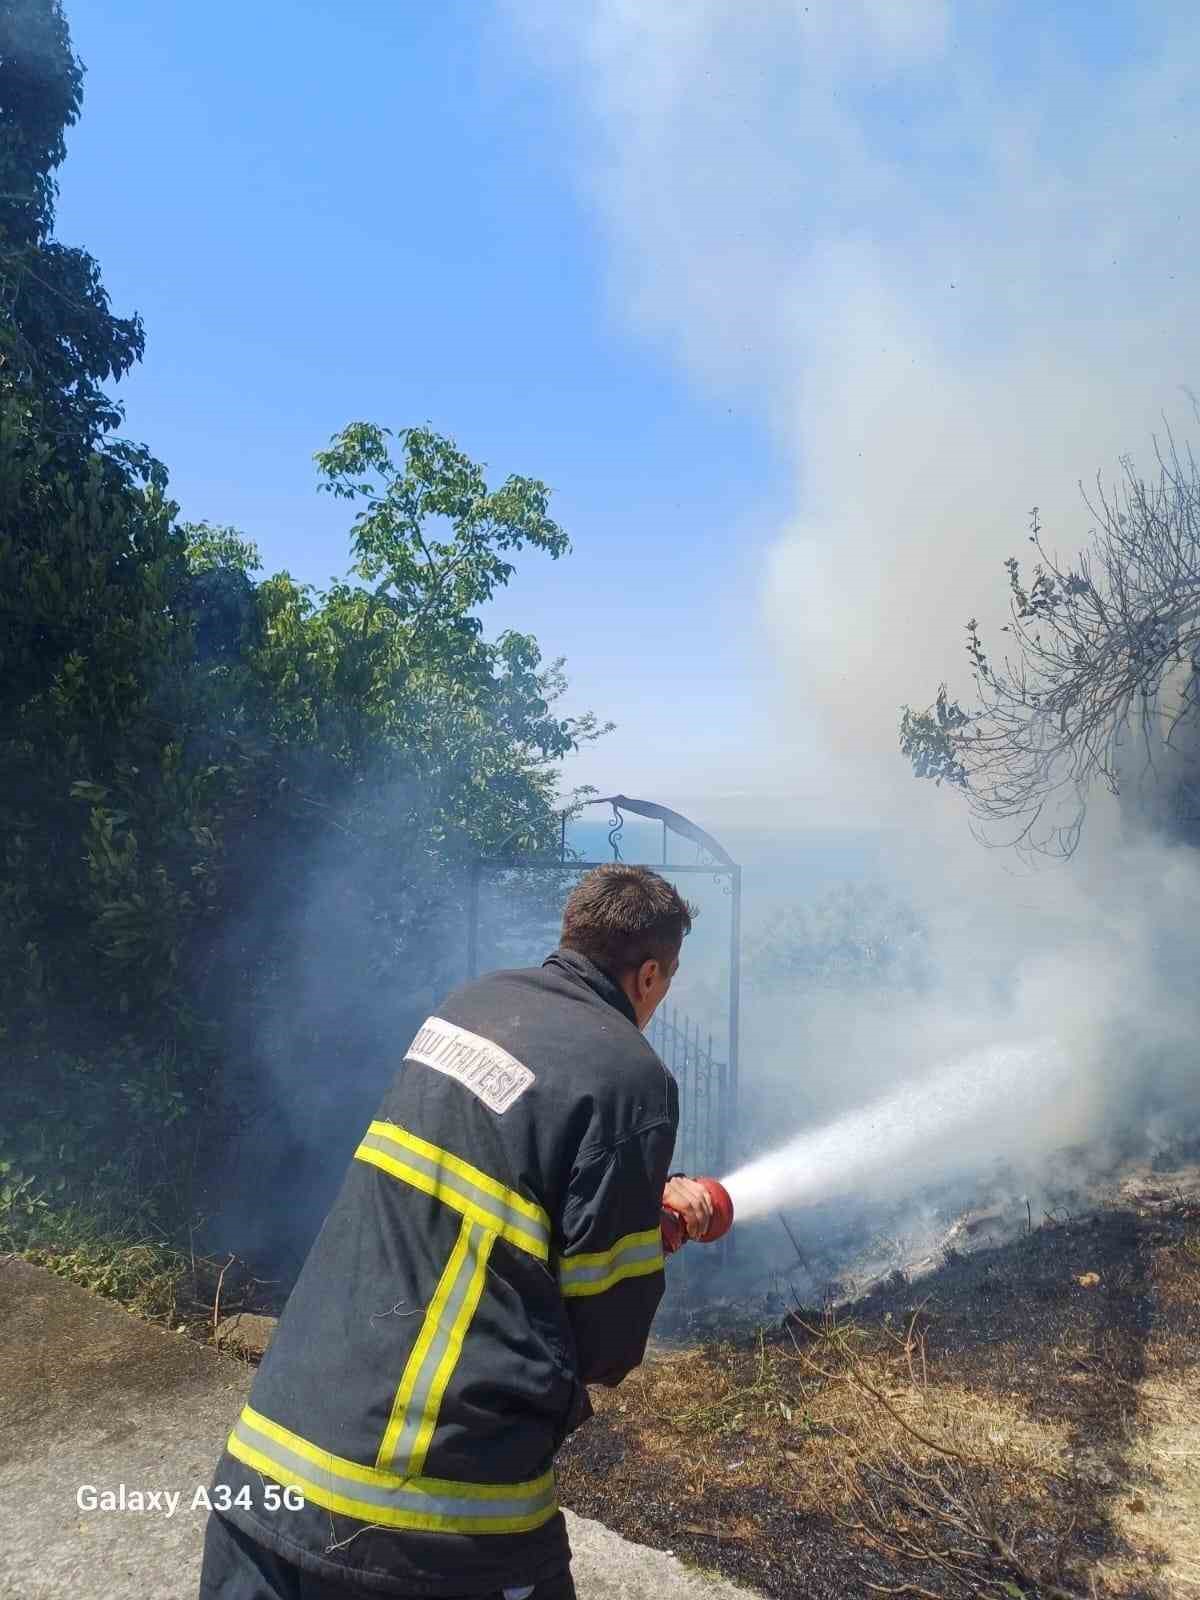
x,y
186,753
57,333
106,828
1098,684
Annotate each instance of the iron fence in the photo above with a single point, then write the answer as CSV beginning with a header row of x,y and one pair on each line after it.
x,y
703,1094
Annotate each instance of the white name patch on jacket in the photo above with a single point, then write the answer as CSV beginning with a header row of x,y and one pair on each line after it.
x,y
488,1071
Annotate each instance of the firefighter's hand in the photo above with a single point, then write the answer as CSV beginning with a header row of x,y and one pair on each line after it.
x,y
693,1203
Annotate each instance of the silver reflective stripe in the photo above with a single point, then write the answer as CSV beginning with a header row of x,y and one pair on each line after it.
x,y
425,1395
649,1250
452,1184
388,1497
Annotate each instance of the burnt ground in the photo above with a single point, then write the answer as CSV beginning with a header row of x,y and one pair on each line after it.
x,y
1024,1419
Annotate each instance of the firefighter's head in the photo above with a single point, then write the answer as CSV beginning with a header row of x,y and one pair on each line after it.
x,y
632,923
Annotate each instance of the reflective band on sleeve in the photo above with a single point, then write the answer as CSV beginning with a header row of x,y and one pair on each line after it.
x,y
458,1184
436,1352
635,1256
431,1505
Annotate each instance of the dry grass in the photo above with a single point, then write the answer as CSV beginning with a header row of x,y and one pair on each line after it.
x,y
844,1422
1022,1431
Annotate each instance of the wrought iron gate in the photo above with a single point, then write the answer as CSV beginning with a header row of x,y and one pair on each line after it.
x,y
707,1074
703,1090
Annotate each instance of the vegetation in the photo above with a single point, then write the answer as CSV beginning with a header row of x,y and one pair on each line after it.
x,y
1100,684
191,755
59,340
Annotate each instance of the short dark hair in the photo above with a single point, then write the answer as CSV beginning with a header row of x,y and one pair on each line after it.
x,y
620,916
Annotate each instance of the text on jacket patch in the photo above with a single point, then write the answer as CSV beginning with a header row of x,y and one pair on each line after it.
x,y
489,1072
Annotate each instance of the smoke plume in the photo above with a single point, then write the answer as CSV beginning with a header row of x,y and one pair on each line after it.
x,y
949,256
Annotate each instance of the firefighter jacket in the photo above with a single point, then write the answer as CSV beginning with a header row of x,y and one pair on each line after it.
x,y
495,1246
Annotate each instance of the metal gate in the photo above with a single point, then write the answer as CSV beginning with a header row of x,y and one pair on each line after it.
x,y
707,1071
702,1144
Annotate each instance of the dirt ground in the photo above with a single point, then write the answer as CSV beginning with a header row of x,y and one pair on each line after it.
x,y
93,1396
1024,1420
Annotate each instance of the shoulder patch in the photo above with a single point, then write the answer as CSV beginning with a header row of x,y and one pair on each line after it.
x,y
487,1070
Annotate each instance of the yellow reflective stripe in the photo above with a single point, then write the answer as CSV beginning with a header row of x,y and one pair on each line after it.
x,y
464,1169
457,1184
636,1255
420,1350
605,1258
436,1352
434,1505
482,1245
628,1269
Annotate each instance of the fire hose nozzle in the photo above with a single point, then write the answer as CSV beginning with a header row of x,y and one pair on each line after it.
x,y
674,1229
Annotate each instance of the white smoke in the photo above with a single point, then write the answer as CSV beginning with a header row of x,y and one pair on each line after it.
x,y
949,260
950,255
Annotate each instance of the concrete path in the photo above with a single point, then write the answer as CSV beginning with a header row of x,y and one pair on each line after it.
x,y
90,1396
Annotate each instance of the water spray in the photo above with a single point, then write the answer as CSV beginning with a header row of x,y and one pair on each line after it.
x,y
865,1146
894,1133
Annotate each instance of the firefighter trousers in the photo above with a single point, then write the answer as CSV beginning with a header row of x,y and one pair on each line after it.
x,y
237,1567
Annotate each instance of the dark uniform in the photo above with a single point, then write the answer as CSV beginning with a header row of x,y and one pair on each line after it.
x,y
495,1247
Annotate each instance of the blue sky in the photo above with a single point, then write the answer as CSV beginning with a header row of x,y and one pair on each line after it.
x,y
797,307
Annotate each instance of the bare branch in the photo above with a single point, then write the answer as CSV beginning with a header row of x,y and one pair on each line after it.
x,y
1098,686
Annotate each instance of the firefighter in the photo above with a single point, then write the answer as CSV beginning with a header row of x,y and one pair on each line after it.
x,y
494,1248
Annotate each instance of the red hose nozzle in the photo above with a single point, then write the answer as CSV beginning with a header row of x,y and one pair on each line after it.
x,y
674,1229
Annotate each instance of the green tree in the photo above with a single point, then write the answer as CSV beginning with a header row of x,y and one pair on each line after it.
x,y
106,829
58,336
381,727
193,762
